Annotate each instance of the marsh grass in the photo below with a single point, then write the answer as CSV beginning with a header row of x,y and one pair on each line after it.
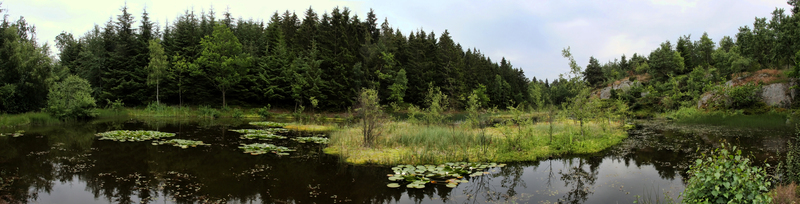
x,y
785,194
768,120
32,118
412,143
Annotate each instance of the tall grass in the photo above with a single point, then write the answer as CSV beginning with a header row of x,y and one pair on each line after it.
x,y
31,118
410,143
694,116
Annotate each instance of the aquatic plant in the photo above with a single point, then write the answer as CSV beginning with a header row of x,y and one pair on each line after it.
x,y
263,148
318,140
450,174
260,131
261,136
310,128
133,135
269,124
181,143
18,133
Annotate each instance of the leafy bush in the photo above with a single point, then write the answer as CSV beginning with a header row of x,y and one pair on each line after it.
x,y
71,99
237,113
790,168
208,111
726,178
743,96
264,112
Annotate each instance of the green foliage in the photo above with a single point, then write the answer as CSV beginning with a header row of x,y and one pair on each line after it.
x,y
372,116
207,111
789,169
158,65
263,148
133,135
181,143
724,177
26,71
264,111
237,113
224,64
71,99
437,104
743,96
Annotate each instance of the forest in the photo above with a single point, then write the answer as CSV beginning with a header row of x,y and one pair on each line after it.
x,y
287,62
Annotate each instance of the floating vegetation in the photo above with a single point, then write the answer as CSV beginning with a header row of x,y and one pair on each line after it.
x,y
318,140
261,136
310,128
133,135
18,133
260,131
181,143
263,148
269,124
450,174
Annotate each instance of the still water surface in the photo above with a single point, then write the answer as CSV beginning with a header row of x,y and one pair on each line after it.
x,y
67,164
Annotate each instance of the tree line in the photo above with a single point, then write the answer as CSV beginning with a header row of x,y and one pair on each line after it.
x,y
676,74
199,59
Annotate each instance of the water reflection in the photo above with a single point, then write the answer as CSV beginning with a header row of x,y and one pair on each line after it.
x,y
66,164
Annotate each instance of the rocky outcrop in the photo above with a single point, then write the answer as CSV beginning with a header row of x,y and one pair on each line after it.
x,y
623,85
776,95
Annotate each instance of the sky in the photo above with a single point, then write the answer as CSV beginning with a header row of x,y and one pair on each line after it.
x,y
528,33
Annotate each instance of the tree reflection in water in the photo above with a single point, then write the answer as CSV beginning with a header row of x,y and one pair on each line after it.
x,y
578,179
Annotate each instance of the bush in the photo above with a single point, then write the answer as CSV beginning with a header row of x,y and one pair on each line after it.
x,y
372,116
264,112
71,99
237,113
208,112
743,96
726,178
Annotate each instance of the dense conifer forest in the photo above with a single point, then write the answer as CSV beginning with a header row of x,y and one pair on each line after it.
x,y
199,59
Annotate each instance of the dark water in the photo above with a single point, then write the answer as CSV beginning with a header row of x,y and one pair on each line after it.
x,y
67,164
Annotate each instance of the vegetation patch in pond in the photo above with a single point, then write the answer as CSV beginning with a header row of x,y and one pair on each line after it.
x,y
181,143
450,174
269,124
263,148
261,136
18,133
318,140
310,128
133,135
260,131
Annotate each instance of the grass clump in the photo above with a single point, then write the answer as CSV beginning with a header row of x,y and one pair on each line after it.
x,y
409,143
318,140
317,129
133,135
181,143
263,148
31,118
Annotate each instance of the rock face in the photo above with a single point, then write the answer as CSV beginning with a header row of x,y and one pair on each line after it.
x,y
775,95
778,95
623,85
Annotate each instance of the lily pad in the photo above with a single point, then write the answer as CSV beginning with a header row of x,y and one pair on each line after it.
x,y
318,140
181,143
262,148
451,185
393,185
261,136
269,124
133,135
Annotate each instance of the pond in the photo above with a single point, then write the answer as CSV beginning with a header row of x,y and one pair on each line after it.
x,y
68,164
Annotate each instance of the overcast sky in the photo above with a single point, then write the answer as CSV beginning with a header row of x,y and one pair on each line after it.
x,y
530,34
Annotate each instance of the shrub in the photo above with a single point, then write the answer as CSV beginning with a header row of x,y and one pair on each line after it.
x,y
372,117
264,112
208,112
237,113
71,99
726,178
743,96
